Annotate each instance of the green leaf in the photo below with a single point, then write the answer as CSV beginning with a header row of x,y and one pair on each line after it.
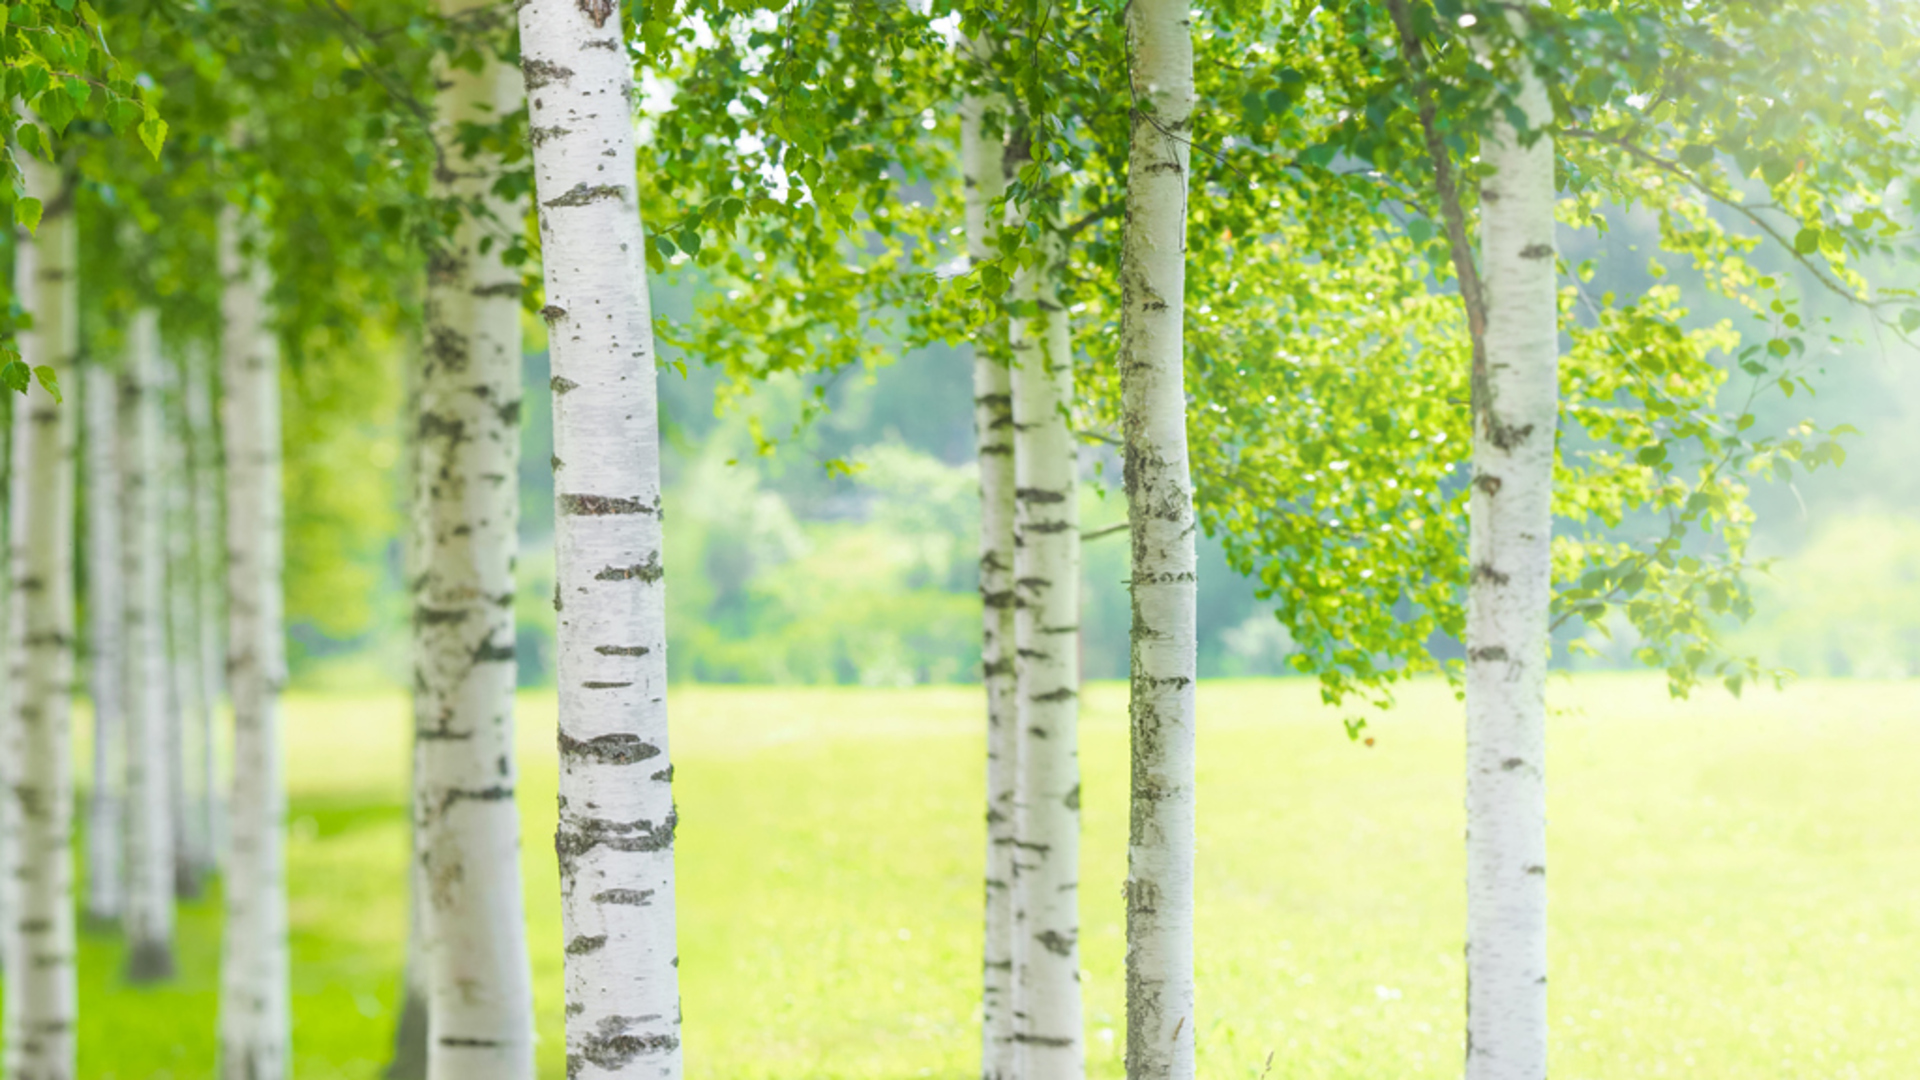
x,y
1696,155
1651,455
16,375
153,132
26,213
1910,320
1807,240
49,381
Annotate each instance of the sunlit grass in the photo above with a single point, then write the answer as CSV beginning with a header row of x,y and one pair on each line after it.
x,y
1733,887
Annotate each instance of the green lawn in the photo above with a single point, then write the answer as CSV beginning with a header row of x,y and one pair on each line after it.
x,y
1734,887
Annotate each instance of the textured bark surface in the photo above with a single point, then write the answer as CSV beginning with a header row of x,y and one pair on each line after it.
x,y
183,635
41,1001
1046,566
1509,587
254,1021
203,443
980,157
615,839
1160,1003
106,640
465,513
149,903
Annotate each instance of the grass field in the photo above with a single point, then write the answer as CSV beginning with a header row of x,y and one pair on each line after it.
x,y
1733,883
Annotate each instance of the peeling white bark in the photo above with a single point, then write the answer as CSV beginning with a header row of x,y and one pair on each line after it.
x,y
980,156
1160,996
254,1022
615,839
106,636
41,998
1509,550
465,513
1046,570
149,901
204,452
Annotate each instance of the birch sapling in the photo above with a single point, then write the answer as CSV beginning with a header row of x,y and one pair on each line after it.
x,y
41,1000
149,905
106,637
465,511
615,838
980,155
1161,1024
1510,534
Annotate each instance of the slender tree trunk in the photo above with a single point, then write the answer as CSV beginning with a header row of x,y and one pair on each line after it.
x,y
980,154
409,1061
254,1022
1160,1003
13,412
615,839
149,908
183,633
1046,570
203,445
465,512
106,628
1509,548
42,1004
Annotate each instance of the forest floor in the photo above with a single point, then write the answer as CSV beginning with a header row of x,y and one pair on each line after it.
x,y
1733,887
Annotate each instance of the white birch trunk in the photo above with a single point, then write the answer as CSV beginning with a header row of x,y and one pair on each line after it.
x,y
615,839
980,157
1509,587
42,1005
149,903
1046,570
183,634
203,448
465,513
254,1022
106,635
1160,1003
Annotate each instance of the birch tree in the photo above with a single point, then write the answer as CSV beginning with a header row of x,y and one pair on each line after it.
x,y
980,159
41,997
106,635
1160,1018
203,452
615,838
149,905
465,511
186,700
254,1020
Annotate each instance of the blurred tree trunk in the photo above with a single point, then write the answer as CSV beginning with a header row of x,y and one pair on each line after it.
x,y
465,514
1160,840
203,442
615,839
1510,535
1046,579
254,1022
183,633
149,903
106,637
980,156
41,997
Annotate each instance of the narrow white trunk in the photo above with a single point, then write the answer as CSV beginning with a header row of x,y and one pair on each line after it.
x,y
254,1023
615,839
183,635
1160,1005
1509,587
980,156
106,635
1046,570
149,904
204,453
465,513
41,997
409,1061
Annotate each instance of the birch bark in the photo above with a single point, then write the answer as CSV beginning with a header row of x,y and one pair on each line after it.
x,y
1510,536
254,1023
183,632
41,997
1046,570
465,511
615,839
149,907
106,628
980,155
1160,994
204,450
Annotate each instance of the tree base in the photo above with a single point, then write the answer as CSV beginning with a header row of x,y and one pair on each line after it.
x,y
150,962
410,1041
186,882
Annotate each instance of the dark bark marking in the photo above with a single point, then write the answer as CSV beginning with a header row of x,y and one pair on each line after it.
x,y
585,944
1511,764
1485,572
541,73
560,384
605,685
497,793
649,571
1065,693
1537,251
629,897
541,135
598,11
584,194
1489,653
578,836
665,774
603,505
462,1042
620,748
489,653
621,650
553,313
